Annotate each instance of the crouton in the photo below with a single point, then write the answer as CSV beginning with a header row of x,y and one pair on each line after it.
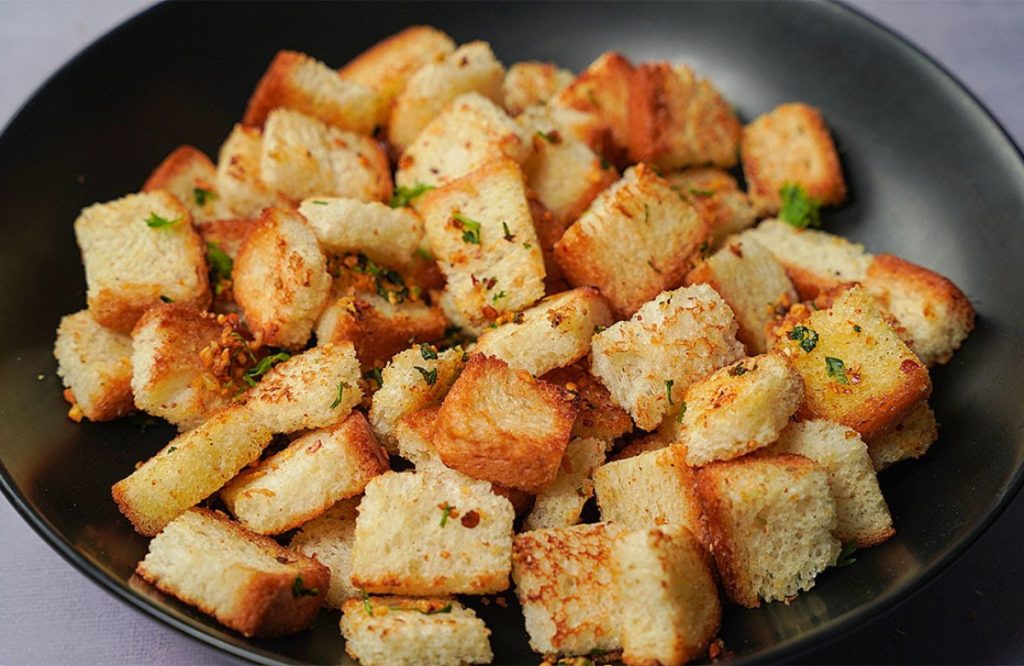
x,y
790,145
139,251
466,135
668,598
504,426
306,478
188,174
387,65
302,157
239,182
671,342
598,415
531,82
678,120
414,436
564,582
430,533
227,234
752,282
247,582
726,209
650,489
910,439
470,68
328,540
637,239
738,409
856,370
301,83
552,334
600,94
280,279
862,516
95,364
396,631
482,235
771,521
560,504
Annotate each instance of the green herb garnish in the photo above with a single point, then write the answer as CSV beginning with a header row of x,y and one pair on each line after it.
x,y
509,236
265,364
552,137
682,412
220,262
367,606
318,202
846,557
498,296
166,299
808,337
856,328
446,511
387,282
424,254
403,196
650,262
375,375
154,221
203,196
429,376
299,591
738,370
527,246
799,209
668,390
341,391
701,193
470,229
836,369
428,352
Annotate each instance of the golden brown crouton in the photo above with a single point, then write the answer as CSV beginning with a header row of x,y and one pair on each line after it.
x,y
560,504
228,234
96,366
239,181
910,439
601,93
531,82
598,415
188,174
328,540
726,209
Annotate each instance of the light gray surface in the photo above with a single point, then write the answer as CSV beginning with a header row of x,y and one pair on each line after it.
x,y
974,612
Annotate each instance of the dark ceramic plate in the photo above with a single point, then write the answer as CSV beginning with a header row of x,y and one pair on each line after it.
x,y
932,176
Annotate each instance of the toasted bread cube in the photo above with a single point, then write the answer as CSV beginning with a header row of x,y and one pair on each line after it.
x,y
856,370
247,582
771,521
470,68
139,251
671,342
910,439
239,181
738,409
306,478
304,157
396,631
504,426
482,235
564,582
861,512
552,334
328,539
389,64
791,145
169,376
637,239
601,93
414,434
667,594
281,280
227,234
406,388
752,282
95,364
532,83
296,81
726,208
678,120
188,174
650,489
598,414
560,504
466,135
432,532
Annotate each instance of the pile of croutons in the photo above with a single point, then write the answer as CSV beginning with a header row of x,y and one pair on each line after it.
x,y
423,309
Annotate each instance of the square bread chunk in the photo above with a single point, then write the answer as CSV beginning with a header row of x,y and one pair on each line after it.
x,y
247,582
414,434
470,68
228,234
598,414
503,425
95,364
791,145
188,174
672,341
239,181
564,582
726,209
481,232
531,82
861,512
281,280
752,282
668,597
601,93
560,504
139,251
466,135
299,82
637,239
432,533
307,477
910,439
771,521
856,370
397,631
328,539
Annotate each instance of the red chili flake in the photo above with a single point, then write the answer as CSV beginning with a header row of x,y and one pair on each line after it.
x,y
471,519
908,365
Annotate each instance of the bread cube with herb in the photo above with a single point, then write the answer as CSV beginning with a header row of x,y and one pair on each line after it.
x,y
224,237
598,415
139,251
910,439
771,520
530,83
389,64
791,146
637,239
726,208
188,174
671,342
247,582
600,100
299,82
328,539
560,504
95,364
240,184
414,436
405,631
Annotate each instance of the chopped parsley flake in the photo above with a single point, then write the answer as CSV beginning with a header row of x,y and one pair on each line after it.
x,y
428,352
202,196
738,370
682,412
446,512
319,202
856,328
429,376
166,299
298,590
470,229
807,337
375,375
424,254
647,214
172,449
403,196
154,221
221,264
846,557
551,137
701,193
387,282
668,390
498,296
654,268
799,209
443,609
253,374
509,236
367,606
836,369
527,246
341,392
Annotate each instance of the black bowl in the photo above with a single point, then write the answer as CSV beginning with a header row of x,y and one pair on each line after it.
x,y
932,176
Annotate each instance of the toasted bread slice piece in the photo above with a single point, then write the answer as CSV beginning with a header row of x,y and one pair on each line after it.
x,y
671,342
228,234
910,439
188,174
601,94
531,82
139,251
637,239
240,184
328,539
389,64
414,434
771,521
247,582
560,504
397,631
598,414
726,208
95,364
